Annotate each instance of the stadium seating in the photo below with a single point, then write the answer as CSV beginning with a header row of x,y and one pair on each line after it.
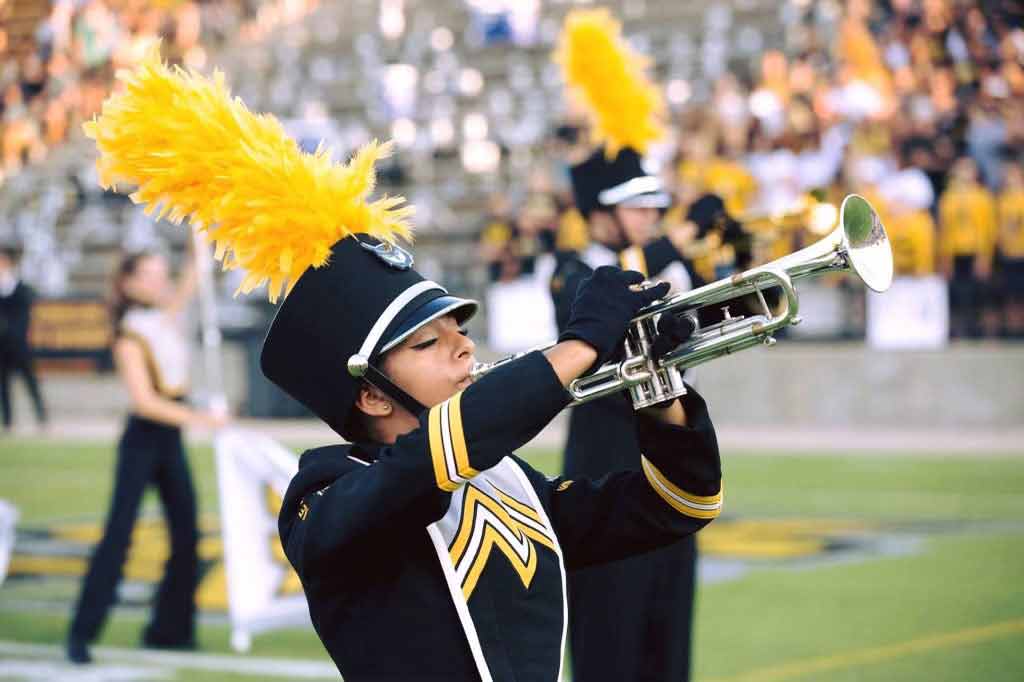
x,y
334,64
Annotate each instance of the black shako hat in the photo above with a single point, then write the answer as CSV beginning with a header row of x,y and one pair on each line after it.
x,y
599,183
339,319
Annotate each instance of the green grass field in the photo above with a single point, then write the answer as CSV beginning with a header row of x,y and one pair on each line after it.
x,y
832,568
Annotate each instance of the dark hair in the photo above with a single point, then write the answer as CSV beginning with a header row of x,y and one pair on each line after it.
x,y
568,134
11,253
120,300
357,427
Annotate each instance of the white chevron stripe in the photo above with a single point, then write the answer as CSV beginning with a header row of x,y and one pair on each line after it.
x,y
526,520
520,544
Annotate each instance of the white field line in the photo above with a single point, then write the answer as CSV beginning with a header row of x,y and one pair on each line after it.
x,y
243,665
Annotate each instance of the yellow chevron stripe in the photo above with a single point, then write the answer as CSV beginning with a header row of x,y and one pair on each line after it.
x,y
660,483
437,451
492,538
474,498
517,505
538,536
528,512
458,437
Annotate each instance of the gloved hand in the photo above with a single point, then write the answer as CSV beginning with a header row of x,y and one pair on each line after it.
x,y
604,306
672,332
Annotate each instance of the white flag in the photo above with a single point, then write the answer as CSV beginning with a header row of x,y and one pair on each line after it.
x,y
8,524
253,472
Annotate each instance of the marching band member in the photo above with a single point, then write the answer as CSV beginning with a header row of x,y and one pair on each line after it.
x,y
631,619
427,549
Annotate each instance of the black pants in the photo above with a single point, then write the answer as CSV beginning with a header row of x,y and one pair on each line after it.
x,y
630,620
148,453
967,297
20,362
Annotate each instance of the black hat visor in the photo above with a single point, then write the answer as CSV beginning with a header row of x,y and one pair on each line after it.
x,y
432,309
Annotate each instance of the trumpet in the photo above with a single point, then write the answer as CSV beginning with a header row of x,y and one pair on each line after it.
x,y
858,244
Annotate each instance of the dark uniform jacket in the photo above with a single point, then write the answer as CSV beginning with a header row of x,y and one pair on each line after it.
x,y
444,556
610,420
657,257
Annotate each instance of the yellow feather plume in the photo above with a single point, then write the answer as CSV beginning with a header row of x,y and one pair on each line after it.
x,y
196,153
624,106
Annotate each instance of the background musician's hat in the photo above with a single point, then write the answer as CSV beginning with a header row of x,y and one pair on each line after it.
x,y
624,110
600,184
299,222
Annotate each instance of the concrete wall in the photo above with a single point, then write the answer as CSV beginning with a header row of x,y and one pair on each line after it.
x,y
850,385
74,396
791,384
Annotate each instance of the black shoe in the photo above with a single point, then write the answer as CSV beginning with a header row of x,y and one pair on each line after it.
x,y
78,651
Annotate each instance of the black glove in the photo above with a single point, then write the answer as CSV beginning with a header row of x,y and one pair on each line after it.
x,y
604,307
672,332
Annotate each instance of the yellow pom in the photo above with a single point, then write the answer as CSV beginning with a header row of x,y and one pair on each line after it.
x,y
625,108
197,154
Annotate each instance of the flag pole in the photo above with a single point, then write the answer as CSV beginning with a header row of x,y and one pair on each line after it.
x,y
213,374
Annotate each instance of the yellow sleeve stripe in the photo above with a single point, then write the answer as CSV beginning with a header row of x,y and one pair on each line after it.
x,y
458,437
696,506
633,258
448,450
437,450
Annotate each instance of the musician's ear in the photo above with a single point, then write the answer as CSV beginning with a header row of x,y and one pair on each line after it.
x,y
373,402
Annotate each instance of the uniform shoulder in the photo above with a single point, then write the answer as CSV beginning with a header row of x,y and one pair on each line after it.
x,y
567,264
330,460
319,468
335,449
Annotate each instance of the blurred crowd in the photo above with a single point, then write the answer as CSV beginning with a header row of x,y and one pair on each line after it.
x,y
918,106
49,91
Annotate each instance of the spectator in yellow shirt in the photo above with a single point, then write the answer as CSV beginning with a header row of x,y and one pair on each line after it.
x,y
711,168
967,223
1011,249
912,235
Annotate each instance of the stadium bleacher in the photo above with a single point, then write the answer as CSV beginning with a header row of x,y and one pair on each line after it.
x,y
72,231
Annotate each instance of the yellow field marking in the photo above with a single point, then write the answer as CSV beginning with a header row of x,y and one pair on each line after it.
x,y
797,669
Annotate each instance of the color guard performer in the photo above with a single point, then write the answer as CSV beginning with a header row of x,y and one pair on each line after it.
x,y
151,357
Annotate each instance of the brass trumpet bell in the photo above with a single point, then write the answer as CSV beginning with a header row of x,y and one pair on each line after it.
x,y
866,244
